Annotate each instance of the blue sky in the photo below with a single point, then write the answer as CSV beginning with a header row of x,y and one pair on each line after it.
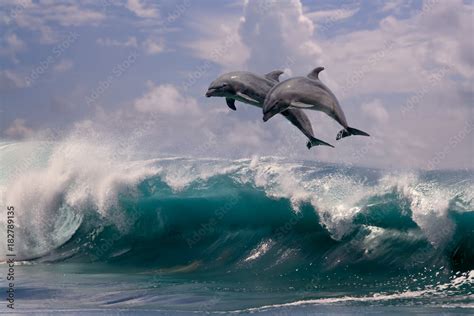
x,y
402,70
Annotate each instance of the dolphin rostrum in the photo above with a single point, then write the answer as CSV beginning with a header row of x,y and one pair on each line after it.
x,y
307,93
251,89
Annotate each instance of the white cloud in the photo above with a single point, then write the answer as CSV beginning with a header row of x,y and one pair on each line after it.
x,y
413,141
219,41
14,42
268,36
165,99
108,42
150,46
331,15
253,137
279,36
153,47
399,55
10,79
18,129
43,17
63,65
72,15
63,14
375,110
142,10
394,5
10,45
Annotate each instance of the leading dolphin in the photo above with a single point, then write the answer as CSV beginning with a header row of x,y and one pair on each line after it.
x,y
251,89
307,93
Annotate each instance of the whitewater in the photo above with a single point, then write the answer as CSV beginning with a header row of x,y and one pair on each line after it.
x,y
264,234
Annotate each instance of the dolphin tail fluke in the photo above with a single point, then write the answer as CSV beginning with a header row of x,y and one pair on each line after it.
x,y
350,131
316,142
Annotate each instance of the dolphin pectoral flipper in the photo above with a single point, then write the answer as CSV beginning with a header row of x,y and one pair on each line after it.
x,y
230,103
350,131
299,119
274,75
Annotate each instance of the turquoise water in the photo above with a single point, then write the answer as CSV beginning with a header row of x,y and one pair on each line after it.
x,y
96,232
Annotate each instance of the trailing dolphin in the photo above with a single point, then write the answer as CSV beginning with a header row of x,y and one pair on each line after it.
x,y
251,89
307,93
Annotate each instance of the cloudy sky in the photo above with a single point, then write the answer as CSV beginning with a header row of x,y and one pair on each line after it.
x,y
402,71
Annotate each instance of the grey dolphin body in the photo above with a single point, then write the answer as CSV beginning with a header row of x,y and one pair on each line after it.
x,y
307,93
251,89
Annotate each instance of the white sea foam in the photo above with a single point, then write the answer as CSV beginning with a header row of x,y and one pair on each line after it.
x,y
446,290
49,201
260,250
429,204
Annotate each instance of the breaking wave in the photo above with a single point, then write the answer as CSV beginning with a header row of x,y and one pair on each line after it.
x,y
314,224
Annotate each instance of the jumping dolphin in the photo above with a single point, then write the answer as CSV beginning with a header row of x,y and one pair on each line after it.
x,y
251,89
307,93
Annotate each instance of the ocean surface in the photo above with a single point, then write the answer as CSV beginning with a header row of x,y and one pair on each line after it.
x,y
99,232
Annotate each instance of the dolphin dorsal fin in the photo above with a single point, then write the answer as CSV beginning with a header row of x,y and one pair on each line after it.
x,y
315,73
274,75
